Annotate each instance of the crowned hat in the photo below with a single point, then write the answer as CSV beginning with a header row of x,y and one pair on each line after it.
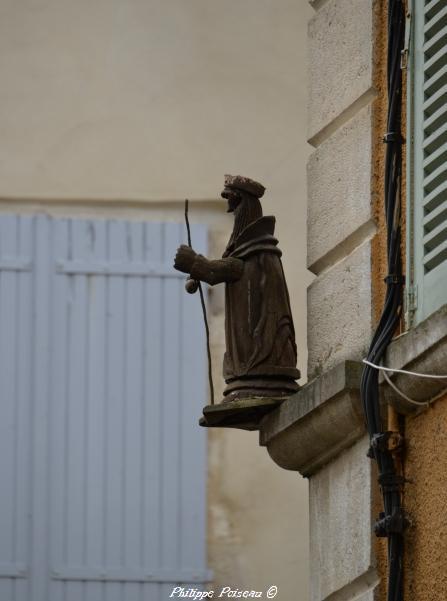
x,y
244,184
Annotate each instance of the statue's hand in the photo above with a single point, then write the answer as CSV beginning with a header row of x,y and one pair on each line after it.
x,y
184,258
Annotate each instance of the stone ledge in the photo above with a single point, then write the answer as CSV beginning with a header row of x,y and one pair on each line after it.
x,y
325,417
422,349
318,422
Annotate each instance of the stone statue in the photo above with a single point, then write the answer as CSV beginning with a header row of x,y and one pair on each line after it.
x,y
260,358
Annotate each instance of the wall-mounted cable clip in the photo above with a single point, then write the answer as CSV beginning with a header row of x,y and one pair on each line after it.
x,y
385,441
391,482
393,278
391,524
393,136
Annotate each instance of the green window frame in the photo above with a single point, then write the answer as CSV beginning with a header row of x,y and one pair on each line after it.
x,y
427,160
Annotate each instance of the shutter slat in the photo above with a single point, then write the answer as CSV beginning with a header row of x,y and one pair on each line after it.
x,y
437,59
435,257
434,24
432,200
435,179
434,83
431,8
436,158
436,216
435,101
436,42
435,237
436,139
436,120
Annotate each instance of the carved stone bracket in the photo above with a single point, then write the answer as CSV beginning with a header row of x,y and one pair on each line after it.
x,y
325,417
318,422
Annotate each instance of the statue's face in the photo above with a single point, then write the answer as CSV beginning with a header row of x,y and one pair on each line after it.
x,y
233,197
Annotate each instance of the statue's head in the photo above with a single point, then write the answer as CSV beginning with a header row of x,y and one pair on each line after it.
x,y
239,190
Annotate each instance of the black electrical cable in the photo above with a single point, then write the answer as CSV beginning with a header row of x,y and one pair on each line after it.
x,y
392,521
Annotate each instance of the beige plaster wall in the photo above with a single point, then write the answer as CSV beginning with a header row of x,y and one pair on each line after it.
x,y
124,108
425,501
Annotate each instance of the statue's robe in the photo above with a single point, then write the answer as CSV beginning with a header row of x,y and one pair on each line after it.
x,y
260,357
260,337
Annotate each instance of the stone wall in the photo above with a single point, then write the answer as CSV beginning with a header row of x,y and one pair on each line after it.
x,y
343,105
340,221
320,430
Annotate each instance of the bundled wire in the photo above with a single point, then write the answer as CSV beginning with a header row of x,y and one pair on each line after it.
x,y
392,521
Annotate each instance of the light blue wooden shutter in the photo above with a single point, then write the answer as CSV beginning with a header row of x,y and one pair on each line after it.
x,y
428,174
104,376
17,414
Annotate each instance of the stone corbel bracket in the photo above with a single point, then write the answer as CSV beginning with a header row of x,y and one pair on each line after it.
x,y
325,417
318,422
422,349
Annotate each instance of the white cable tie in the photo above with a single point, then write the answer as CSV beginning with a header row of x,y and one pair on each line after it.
x,y
410,373
404,371
402,394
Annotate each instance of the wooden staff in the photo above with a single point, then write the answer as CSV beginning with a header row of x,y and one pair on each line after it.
x,y
192,286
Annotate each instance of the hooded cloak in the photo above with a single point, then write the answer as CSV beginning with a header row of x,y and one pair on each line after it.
x,y
260,337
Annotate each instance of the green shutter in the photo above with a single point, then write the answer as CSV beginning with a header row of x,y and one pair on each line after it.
x,y
427,181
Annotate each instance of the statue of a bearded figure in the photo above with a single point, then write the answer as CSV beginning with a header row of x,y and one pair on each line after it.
x,y
260,358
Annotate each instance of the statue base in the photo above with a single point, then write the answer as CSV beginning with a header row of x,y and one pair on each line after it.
x,y
274,387
242,413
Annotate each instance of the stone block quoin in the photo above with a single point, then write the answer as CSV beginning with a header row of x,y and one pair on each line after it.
x,y
340,221
340,43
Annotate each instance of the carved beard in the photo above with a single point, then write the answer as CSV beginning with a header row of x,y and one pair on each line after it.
x,y
248,211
